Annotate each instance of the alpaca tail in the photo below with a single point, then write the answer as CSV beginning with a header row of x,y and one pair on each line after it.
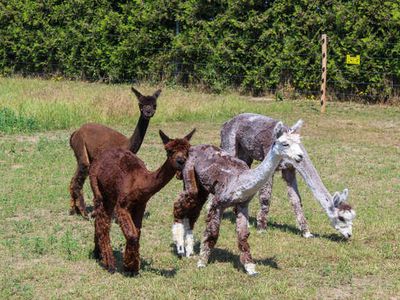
x,y
70,139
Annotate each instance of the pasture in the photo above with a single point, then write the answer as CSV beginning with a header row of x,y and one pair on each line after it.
x,y
46,253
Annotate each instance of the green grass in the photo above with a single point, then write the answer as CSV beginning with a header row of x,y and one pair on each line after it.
x,y
45,253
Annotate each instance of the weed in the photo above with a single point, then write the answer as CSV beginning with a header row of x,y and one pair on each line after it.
x,y
11,122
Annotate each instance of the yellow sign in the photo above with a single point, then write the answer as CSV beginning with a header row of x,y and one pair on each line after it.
x,y
352,60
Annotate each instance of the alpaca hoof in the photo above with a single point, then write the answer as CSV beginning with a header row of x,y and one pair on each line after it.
x,y
72,211
180,250
261,227
261,230
96,254
189,252
308,235
109,269
132,273
250,269
201,264
84,214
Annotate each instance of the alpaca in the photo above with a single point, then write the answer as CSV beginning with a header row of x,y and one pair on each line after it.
x,y
91,139
212,170
249,137
122,185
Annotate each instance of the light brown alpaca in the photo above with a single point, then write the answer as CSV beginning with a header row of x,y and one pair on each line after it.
x,y
122,185
92,139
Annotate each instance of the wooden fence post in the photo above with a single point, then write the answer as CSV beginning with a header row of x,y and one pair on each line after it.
x,y
324,40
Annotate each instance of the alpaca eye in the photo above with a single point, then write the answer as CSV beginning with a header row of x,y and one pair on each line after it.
x,y
285,144
341,219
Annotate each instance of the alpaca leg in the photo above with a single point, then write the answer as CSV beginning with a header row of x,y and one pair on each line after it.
x,y
289,176
137,217
210,234
265,195
77,204
242,229
102,241
96,251
131,255
191,220
182,205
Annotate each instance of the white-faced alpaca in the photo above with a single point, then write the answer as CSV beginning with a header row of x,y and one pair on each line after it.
x,y
212,170
249,137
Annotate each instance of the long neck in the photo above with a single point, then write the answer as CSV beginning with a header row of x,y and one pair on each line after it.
x,y
159,178
137,137
254,179
314,182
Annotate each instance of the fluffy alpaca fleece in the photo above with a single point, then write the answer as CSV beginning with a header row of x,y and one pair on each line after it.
x,y
91,139
122,185
249,137
212,170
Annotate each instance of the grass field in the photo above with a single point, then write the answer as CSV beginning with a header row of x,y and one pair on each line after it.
x,y
45,253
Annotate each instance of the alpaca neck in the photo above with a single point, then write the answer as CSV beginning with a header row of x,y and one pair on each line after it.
x,y
159,178
137,137
314,182
252,180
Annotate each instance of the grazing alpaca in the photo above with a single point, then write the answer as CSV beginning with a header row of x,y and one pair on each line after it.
x,y
250,136
122,185
212,170
92,139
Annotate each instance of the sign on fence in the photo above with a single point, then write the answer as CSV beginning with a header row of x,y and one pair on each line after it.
x,y
352,60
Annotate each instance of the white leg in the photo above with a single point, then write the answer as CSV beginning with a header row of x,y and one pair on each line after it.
x,y
250,269
189,239
178,234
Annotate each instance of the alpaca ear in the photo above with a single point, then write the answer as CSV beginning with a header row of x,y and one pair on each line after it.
x,y
157,93
137,93
189,136
344,195
165,139
278,130
296,127
337,199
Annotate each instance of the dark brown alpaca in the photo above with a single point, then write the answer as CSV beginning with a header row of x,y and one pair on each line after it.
x,y
122,185
92,139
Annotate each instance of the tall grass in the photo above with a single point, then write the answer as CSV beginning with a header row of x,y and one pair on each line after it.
x,y
53,104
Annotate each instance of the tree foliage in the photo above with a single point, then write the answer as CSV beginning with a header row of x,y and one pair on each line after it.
x,y
251,45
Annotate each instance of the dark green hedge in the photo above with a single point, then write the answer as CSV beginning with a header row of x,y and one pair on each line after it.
x,y
251,45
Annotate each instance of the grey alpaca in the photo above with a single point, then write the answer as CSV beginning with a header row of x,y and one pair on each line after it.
x,y
212,170
249,137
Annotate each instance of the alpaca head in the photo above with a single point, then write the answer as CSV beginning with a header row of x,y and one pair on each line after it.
x,y
343,214
147,104
177,149
287,144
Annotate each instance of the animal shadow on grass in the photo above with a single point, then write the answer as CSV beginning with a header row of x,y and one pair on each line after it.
x,y
286,228
145,266
223,255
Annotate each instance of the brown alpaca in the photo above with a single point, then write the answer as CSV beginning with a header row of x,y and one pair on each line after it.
x,y
122,185
92,139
